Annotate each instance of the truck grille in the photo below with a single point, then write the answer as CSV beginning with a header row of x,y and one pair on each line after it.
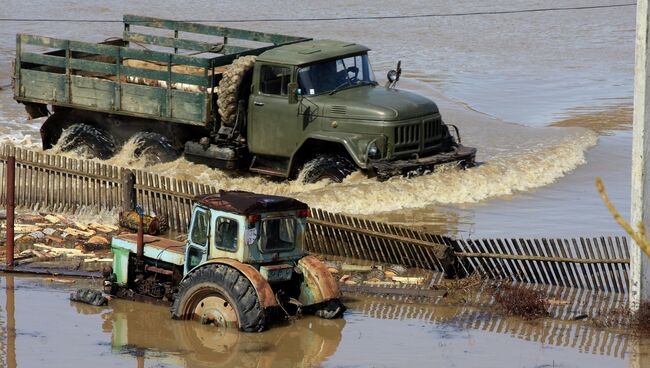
x,y
419,136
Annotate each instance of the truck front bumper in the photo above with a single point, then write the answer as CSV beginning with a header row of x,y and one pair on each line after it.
x,y
460,155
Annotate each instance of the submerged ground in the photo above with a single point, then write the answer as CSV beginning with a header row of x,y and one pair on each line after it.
x,y
375,332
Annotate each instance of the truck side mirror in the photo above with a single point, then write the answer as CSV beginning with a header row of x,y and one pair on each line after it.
x,y
294,92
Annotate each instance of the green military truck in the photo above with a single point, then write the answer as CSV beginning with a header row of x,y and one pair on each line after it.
x,y
273,104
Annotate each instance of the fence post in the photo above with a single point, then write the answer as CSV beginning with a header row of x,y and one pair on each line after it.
x,y
9,249
639,262
128,190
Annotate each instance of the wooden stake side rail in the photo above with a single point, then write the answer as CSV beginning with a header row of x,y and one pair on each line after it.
x,y
51,182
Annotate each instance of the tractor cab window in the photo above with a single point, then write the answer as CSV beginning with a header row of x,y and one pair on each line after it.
x,y
336,74
226,234
200,228
198,249
278,234
275,80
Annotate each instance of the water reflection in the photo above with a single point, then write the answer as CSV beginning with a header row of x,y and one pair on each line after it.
x,y
8,359
569,323
378,330
146,332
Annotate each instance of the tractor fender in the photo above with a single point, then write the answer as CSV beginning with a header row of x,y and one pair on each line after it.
x,y
264,292
318,285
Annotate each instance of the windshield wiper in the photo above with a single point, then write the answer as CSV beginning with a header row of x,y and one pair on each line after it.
x,y
339,87
349,84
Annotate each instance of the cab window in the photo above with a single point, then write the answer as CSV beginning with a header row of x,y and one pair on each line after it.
x,y
200,228
278,234
226,234
275,80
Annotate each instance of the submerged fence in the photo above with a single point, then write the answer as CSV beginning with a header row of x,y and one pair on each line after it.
x,y
52,182
559,330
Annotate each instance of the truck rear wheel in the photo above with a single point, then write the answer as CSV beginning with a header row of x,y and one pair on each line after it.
x,y
154,148
232,87
220,295
88,141
332,167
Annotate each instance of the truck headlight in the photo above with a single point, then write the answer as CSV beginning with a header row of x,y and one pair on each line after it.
x,y
373,151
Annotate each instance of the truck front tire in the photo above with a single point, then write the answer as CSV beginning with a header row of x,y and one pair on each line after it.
x,y
220,295
332,167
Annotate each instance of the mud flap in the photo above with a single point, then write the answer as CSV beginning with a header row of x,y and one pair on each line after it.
x,y
318,285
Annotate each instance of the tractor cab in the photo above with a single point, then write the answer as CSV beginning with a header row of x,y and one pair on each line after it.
x,y
251,228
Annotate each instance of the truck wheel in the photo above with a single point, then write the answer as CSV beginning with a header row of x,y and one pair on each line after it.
x,y
154,148
231,88
220,295
333,167
88,141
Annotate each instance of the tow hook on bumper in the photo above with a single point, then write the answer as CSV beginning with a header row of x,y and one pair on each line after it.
x,y
463,156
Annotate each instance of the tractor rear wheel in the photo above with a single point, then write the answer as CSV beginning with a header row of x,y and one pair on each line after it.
x,y
220,295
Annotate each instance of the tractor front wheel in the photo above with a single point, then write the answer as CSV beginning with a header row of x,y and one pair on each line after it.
x,y
219,295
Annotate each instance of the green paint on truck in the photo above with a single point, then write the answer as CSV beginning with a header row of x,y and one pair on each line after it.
x,y
291,104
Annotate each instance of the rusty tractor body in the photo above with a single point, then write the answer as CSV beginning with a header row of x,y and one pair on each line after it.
x,y
243,264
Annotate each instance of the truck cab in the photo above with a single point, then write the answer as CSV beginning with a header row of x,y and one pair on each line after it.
x,y
320,97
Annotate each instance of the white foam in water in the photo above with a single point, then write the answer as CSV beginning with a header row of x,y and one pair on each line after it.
x,y
20,134
504,173
517,159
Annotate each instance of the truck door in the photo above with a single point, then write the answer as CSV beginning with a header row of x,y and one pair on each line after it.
x,y
198,239
272,121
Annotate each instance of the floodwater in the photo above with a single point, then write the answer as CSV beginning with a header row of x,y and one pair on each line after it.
x,y
545,96
39,326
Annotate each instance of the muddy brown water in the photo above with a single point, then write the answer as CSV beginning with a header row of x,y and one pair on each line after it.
x,y
40,327
544,96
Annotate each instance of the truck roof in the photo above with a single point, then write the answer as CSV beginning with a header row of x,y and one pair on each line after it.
x,y
248,203
307,52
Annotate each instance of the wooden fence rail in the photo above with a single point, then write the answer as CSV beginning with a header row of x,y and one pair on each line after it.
x,y
591,263
51,182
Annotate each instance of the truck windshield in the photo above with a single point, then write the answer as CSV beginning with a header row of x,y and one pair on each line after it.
x,y
333,75
278,233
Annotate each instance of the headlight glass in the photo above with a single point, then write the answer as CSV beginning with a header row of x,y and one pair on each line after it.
x,y
373,151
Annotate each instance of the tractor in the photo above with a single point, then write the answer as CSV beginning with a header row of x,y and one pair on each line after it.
x,y
243,265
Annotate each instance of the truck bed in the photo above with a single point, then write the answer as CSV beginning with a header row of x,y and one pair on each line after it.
x,y
162,249
141,74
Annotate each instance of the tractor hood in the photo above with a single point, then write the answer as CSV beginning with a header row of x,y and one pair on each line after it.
x,y
375,103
